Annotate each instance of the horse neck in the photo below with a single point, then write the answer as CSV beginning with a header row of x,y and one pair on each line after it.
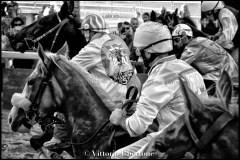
x,y
227,137
225,144
76,41
81,101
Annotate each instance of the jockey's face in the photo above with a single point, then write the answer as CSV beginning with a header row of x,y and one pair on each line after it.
x,y
178,46
88,35
178,42
146,57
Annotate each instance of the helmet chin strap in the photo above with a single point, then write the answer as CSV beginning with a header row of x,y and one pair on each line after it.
x,y
148,61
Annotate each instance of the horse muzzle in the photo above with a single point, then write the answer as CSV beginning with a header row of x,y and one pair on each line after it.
x,y
17,120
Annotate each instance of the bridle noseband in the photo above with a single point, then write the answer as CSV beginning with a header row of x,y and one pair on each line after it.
x,y
58,26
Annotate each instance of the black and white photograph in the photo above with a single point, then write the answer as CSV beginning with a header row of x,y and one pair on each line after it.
x,y
120,79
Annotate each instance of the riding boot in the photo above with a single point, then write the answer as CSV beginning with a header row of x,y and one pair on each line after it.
x,y
61,134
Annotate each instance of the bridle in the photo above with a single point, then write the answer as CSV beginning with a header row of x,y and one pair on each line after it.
x,y
36,98
58,26
202,142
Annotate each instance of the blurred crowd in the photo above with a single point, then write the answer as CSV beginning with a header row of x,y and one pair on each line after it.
x,y
12,21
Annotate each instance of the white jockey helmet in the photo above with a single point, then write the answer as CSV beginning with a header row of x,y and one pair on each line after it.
x,y
182,29
94,22
153,36
211,5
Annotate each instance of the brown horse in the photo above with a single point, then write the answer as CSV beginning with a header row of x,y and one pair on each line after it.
x,y
206,130
57,85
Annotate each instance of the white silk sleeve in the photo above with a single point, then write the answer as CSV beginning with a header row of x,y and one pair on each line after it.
x,y
154,96
88,57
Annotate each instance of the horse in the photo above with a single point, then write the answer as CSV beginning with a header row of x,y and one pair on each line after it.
x,y
172,19
58,85
52,31
209,129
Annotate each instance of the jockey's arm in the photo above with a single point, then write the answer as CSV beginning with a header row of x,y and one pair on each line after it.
x,y
88,56
153,98
229,26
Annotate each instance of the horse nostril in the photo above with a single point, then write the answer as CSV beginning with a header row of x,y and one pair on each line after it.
x,y
10,120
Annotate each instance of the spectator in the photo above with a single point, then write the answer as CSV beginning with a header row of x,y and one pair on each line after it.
x,y
46,11
134,24
125,33
17,24
146,17
5,42
3,8
119,27
139,18
12,9
184,11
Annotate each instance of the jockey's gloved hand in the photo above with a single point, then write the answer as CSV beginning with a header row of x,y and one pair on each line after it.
x,y
117,116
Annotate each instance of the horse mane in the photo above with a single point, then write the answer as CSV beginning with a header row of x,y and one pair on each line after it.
x,y
106,99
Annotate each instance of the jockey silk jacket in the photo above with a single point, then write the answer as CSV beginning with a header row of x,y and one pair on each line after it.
x,y
106,57
161,95
210,59
229,27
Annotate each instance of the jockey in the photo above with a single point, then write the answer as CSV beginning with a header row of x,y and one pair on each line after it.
x,y
106,58
161,95
101,58
228,19
205,55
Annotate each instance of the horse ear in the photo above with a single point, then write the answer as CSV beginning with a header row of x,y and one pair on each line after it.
x,y
176,12
67,8
193,103
63,50
43,55
224,88
153,16
70,6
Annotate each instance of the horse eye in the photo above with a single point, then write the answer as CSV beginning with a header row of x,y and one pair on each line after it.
x,y
30,81
170,131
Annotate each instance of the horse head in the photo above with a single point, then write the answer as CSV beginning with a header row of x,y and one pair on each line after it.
x,y
41,94
206,130
52,31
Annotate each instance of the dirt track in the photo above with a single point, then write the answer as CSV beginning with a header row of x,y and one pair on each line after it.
x,y
15,145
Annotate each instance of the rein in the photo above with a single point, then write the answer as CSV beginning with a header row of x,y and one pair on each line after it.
x,y
206,138
126,105
36,98
59,25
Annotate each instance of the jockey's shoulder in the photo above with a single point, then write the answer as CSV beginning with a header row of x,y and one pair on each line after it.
x,y
200,41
